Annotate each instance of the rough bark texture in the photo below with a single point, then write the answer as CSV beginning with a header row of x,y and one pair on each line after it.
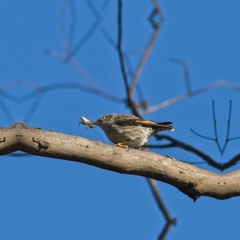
x,y
193,181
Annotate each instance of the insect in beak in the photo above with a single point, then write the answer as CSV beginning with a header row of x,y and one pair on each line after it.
x,y
86,122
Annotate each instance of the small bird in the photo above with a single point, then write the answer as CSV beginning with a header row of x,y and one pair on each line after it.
x,y
126,130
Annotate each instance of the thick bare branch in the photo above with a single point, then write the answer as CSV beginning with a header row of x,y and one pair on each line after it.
x,y
193,181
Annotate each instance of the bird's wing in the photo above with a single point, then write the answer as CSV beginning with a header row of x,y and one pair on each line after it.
x,y
131,120
163,125
126,119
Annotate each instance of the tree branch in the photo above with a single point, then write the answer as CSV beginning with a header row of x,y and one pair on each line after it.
x,y
192,181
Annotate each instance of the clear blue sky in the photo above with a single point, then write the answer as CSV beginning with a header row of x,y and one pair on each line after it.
x,y
44,198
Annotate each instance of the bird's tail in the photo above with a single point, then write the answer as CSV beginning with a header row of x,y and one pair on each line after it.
x,y
163,126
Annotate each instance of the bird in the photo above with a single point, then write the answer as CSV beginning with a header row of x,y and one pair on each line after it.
x,y
127,130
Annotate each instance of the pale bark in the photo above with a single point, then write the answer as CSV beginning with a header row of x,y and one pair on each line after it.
x,y
193,181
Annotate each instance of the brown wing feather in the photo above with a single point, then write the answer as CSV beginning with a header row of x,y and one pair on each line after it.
x,y
158,126
153,124
141,122
146,122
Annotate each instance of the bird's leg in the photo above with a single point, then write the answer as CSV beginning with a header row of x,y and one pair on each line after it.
x,y
122,145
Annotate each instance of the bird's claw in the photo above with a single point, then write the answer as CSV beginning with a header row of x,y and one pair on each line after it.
x,y
122,145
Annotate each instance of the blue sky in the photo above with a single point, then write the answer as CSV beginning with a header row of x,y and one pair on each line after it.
x,y
45,198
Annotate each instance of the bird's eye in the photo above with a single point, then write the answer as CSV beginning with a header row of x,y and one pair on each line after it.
x,y
100,120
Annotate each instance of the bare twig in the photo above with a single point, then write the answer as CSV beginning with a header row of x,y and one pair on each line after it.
x,y
33,108
82,73
165,231
119,46
186,72
120,54
6,111
55,86
64,33
167,103
145,55
152,184
187,147
93,87
216,139
91,30
202,155
111,41
39,92
169,221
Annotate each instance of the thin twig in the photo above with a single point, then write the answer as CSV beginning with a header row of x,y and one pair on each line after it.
x,y
147,51
165,231
56,86
93,87
91,30
82,73
169,221
187,147
215,128
64,33
33,108
202,155
153,187
130,101
6,111
114,45
119,46
167,103
216,139
186,72
73,23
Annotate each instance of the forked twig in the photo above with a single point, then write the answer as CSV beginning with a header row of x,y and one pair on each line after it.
x,y
216,139
169,221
